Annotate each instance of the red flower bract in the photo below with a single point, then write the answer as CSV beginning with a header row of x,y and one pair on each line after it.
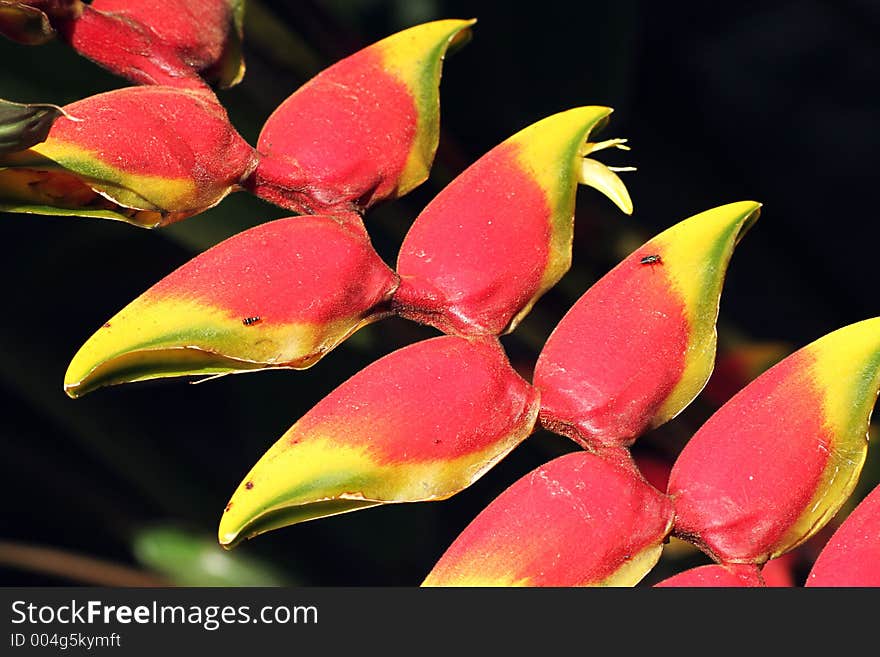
x,y
147,155
362,130
162,41
579,520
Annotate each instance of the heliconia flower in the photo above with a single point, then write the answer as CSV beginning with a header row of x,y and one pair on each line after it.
x,y
411,427
639,345
852,555
32,22
281,294
715,576
776,462
579,520
499,236
362,130
146,155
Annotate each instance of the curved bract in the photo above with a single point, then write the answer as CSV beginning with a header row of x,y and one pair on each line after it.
x,y
639,345
776,462
579,520
412,426
363,130
499,236
162,41
156,42
145,155
282,294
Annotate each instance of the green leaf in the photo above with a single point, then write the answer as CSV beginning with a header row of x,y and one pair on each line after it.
x,y
191,559
24,125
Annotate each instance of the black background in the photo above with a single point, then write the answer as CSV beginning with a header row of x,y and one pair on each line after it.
x,y
771,101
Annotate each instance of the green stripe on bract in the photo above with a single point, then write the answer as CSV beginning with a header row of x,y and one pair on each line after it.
x,y
98,175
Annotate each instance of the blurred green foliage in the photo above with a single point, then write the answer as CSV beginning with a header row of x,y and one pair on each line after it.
x,y
195,559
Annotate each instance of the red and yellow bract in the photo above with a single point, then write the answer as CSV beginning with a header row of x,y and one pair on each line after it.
x,y
410,427
281,294
579,520
639,345
499,236
362,130
145,155
777,461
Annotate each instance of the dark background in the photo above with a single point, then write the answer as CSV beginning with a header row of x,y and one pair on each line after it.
x,y
771,101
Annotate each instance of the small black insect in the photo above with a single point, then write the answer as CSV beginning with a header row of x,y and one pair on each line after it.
x,y
651,260
248,321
